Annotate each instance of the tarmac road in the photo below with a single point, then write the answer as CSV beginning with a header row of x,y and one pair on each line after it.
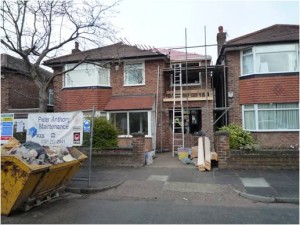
x,y
101,209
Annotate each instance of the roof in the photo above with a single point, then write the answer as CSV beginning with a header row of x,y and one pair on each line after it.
x,y
107,53
175,55
275,33
119,103
18,65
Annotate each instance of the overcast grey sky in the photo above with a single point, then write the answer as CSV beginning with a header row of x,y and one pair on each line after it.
x,y
162,23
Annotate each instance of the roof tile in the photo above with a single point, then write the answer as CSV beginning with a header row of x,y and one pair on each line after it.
x,y
275,33
119,103
110,52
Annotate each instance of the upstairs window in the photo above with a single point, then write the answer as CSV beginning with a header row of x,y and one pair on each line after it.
x,y
134,74
270,59
86,75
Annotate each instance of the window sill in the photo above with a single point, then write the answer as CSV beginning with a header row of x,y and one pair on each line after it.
x,y
133,85
86,87
130,136
268,74
273,131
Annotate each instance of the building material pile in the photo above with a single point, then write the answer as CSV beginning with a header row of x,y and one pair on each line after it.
x,y
35,154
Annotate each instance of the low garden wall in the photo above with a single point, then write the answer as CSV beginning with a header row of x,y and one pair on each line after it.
x,y
261,159
127,156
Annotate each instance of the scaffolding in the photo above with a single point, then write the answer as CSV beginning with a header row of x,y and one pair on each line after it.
x,y
181,101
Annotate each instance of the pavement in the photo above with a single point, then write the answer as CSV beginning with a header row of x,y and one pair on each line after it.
x,y
261,185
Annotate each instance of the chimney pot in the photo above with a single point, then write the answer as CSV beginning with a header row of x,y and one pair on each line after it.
x,y
76,49
220,29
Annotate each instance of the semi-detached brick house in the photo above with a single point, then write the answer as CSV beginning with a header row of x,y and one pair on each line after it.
x,y
263,84
130,86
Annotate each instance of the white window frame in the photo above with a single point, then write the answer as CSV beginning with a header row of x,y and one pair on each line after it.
x,y
149,113
256,110
91,70
255,52
143,73
51,96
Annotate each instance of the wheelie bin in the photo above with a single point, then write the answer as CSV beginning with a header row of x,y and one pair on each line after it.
x,y
24,186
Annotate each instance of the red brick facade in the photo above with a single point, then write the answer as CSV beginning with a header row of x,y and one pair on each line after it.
x,y
233,74
85,99
151,71
276,89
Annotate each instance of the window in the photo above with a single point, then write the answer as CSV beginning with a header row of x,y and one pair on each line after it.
x,y
131,122
134,74
270,59
86,75
247,61
51,97
194,78
271,117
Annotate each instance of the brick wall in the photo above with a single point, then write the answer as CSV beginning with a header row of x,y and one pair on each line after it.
x,y
85,98
132,157
18,92
127,142
277,140
233,73
275,89
265,159
4,94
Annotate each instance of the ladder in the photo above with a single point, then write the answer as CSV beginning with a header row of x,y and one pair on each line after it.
x,y
178,113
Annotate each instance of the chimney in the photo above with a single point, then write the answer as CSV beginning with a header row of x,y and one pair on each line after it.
x,y
76,49
221,38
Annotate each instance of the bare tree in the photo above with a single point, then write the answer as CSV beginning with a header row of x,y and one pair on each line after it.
x,y
38,30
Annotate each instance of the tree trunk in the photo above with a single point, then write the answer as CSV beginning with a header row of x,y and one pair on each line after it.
x,y
43,99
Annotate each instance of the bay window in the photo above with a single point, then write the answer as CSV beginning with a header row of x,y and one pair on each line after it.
x,y
270,59
86,75
271,117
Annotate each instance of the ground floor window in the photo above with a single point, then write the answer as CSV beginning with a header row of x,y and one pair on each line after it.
x,y
132,122
192,121
271,117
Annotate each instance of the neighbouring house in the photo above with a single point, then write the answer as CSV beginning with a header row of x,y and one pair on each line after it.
x,y
134,88
262,84
19,93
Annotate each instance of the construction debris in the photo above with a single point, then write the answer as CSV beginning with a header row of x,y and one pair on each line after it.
x,y
35,154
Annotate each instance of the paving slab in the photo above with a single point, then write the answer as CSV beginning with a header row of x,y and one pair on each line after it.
x,y
254,182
